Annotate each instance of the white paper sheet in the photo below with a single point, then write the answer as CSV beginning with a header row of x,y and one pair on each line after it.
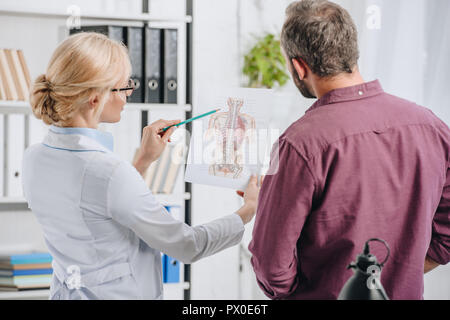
x,y
230,145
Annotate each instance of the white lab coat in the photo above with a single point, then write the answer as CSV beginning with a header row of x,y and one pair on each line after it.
x,y
101,223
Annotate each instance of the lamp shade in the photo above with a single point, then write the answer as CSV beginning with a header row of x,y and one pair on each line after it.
x,y
365,283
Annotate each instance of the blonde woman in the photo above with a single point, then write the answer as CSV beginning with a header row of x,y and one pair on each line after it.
x,y
103,227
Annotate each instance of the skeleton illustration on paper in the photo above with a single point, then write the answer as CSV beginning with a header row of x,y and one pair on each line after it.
x,y
230,132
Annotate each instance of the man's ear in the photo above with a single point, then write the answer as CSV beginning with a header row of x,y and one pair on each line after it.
x,y
300,67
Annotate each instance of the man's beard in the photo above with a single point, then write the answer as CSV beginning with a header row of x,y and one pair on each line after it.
x,y
302,87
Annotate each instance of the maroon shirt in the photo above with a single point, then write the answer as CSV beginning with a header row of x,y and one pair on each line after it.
x,y
359,164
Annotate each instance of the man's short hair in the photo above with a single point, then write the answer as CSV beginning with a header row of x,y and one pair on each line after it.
x,y
323,35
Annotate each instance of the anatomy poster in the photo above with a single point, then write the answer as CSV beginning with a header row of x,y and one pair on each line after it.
x,y
234,142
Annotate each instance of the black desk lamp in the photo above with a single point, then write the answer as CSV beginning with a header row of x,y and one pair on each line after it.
x,y
365,283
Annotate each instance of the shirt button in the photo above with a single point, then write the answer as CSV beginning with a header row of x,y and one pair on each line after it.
x,y
360,92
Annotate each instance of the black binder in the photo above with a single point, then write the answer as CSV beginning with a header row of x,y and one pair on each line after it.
x,y
170,65
134,41
113,32
153,81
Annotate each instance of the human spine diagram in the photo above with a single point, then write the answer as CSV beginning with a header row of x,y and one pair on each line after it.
x,y
230,131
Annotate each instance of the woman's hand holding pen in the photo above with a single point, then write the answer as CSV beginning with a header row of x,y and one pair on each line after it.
x,y
153,143
250,195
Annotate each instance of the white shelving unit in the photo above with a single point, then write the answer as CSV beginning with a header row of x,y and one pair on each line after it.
x,y
13,108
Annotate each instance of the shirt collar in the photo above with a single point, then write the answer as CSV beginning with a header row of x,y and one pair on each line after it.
x,y
358,92
79,139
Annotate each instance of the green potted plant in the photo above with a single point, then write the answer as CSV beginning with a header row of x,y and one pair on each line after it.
x,y
264,64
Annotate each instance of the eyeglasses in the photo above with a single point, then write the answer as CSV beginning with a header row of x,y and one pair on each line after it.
x,y
132,85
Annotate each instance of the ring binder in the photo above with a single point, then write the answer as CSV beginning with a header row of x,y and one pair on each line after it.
x,y
134,41
153,92
113,32
170,65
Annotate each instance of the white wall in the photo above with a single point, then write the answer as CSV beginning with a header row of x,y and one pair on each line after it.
x,y
223,31
214,53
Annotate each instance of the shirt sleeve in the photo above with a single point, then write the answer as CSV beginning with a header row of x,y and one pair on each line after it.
x,y
131,203
285,201
439,249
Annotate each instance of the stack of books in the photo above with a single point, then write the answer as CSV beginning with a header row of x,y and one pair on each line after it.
x,y
25,271
15,78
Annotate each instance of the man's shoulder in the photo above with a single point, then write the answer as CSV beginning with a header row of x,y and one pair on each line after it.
x,y
303,136
322,126
404,105
410,113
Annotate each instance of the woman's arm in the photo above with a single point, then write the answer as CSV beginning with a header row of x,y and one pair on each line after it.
x,y
141,166
153,143
130,203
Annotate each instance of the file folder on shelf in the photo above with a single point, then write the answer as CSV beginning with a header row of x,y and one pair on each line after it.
x,y
162,166
26,71
2,89
153,49
113,32
170,65
14,145
171,269
134,41
161,176
14,75
6,77
17,74
171,266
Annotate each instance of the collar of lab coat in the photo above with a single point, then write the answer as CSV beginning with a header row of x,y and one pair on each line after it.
x,y
79,139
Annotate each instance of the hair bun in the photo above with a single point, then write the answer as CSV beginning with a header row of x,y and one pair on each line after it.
x,y
42,101
47,82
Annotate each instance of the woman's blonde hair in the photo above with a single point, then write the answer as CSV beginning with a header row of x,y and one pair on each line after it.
x,y
83,64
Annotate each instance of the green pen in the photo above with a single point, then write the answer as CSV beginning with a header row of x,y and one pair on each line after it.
x,y
191,119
